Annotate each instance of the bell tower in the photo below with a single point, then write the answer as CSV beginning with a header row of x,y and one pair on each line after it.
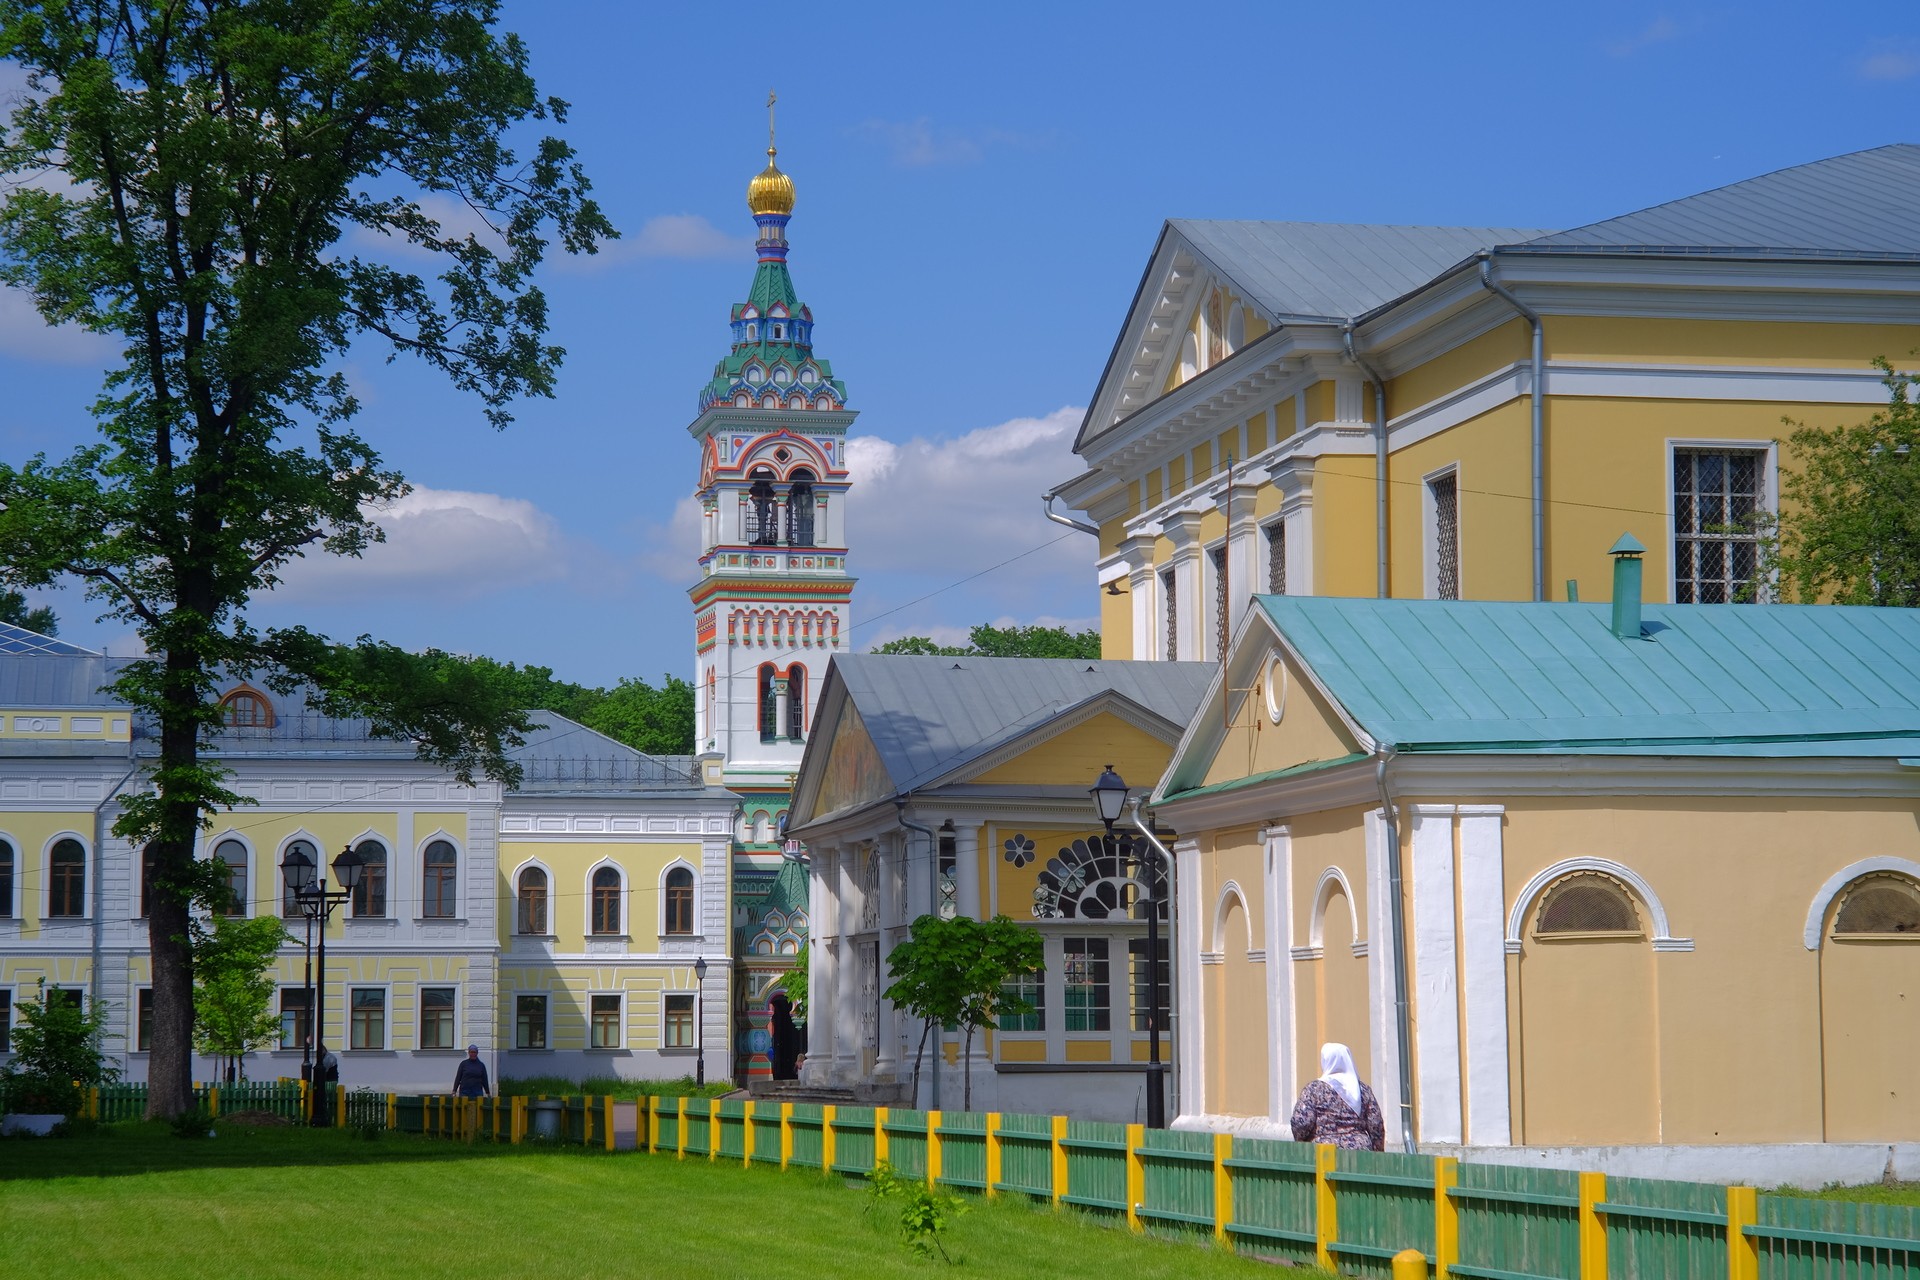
x,y
773,599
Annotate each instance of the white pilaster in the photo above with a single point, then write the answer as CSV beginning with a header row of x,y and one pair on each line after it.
x,y
1435,964
966,870
1282,1033
1483,971
1182,528
846,1012
1190,1025
1380,952
889,848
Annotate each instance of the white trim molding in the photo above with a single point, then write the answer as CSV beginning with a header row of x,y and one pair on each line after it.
x,y
1817,910
1231,889
1483,974
1663,939
1435,976
1322,899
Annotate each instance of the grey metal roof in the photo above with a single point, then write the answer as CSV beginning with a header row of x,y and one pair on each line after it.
x,y
927,716
1332,270
1862,205
46,678
20,640
562,756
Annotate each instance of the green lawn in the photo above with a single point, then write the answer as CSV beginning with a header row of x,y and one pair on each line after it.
x,y
136,1201
611,1087
1906,1193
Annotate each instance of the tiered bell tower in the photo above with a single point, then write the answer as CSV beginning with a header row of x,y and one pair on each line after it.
x,y
773,601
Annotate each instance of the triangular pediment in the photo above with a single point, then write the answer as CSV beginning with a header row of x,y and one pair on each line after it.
x,y
849,773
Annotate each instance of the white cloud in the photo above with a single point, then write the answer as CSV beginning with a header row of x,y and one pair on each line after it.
x,y
1890,64
24,333
918,144
1659,31
441,544
679,235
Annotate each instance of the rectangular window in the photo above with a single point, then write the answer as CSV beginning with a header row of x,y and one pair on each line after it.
x,y
1172,598
1220,619
1089,991
143,1020
677,1032
436,1018
6,1020
1277,558
529,1022
1717,494
70,997
1029,987
1443,536
605,1024
1139,974
949,878
369,1029
295,1025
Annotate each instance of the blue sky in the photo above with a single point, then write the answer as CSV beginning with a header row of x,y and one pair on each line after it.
x,y
978,192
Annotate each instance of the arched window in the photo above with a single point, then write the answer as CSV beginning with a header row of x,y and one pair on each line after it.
x,y
290,904
67,879
763,528
6,880
234,855
370,899
800,509
1189,357
680,901
606,900
796,702
439,899
146,881
247,708
1879,906
769,704
532,917
1585,903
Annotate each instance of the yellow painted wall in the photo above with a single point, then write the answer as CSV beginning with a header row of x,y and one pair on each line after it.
x,y
1259,435
31,833
1320,399
568,988
1495,484
1734,342
568,865
1074,758
1309,730
1343,514
1331,992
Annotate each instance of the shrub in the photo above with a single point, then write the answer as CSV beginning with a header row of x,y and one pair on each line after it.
x,y
56,1055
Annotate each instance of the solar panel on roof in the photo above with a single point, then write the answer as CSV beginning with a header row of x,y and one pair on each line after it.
x,y
20,640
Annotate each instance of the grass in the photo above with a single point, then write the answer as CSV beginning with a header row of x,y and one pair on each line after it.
x,y
612,1087
135,1201
1902,1193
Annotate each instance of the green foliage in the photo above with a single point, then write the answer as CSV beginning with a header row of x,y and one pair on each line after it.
x,y
924,1212
656,721
195,1122
986,641
1849,532
794,980
13,608
951,972
611,1087
232,986
56,1055
203,183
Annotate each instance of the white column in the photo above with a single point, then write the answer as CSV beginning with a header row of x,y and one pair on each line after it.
x,y
1293,477
1282,1034
823,978
887,1035
1380,950
1183,529
1138,551
846,1013
1435,987
1243,548
966,870
1483,974
1189,1015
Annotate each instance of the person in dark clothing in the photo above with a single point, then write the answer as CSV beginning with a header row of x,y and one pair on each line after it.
x,y
1338,1109
470,1077
787,1045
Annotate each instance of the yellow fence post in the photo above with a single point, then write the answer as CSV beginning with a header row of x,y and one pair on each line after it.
x,y
653,1124
1222,1187
786,1135
1593,1228
607,1106
1446,1217
993,1154
213,1102
746,1134
827,1113
1743,1253
392,1123
339,1106
879,1135
1059,1159
518,1120
93,1104
713,1128
1136,1176
933,1150
1325,1220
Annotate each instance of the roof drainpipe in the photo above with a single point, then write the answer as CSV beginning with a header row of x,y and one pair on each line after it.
x,y
1046,509
1532,317
1627,571
99,886
933,908
1381,588
1397,909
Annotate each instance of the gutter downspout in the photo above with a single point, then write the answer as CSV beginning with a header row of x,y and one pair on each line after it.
x,y
933,908
1397,909
1532,317
1382,589
1046,509
1173,952
99,886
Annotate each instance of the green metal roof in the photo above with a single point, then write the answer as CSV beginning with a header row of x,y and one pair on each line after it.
x,y
1756,680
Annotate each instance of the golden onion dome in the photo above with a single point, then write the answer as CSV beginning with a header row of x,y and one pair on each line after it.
x,y
771,191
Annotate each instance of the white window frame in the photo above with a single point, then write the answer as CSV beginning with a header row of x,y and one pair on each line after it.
x,y
386,1016
420,1016
699,899
1267,529
626,901
213,855
546,1023
1770,496
14,905
133,1027
1430,532
532,864
620,997
459,915
280,1007
89,868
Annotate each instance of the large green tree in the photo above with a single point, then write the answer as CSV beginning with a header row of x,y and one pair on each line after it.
x,y
232,988
1850,530
13,608
182,175
658,721
955,972
987,641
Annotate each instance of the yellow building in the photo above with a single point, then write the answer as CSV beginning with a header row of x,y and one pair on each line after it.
x,y
556,924
959,786
1474,412
1576,875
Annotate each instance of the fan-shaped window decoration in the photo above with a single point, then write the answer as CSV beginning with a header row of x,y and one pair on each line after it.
x,y
1879,906
1587,903
606,900
1101,878
370,897
680,901
234,855
247,708
532,909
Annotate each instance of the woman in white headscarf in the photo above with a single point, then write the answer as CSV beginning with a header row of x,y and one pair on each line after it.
x,y
1337,1108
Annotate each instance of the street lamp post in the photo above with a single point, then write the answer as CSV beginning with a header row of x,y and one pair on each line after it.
x,y
700,1020
1110,799
316,903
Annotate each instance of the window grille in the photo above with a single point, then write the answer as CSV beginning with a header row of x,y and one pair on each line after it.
x,y
369,1026
1138,974
769,706
1445,492
1717,496
439,896
1879,905
1173,615
1277,558
680,901
532,915
606,900
1219,558
1031,988
1088,990
1587,903
436,1018
529,1022
67,867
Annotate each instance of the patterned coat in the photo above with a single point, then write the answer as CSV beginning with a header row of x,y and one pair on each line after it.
x,y
1322,1115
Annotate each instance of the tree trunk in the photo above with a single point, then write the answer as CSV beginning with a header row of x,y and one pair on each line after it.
x,y
170,1065
926,1029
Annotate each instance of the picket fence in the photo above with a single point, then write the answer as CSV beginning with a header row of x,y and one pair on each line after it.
x,y
1351,1211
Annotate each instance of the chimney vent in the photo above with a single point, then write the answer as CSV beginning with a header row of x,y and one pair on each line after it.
x,y
1627,570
